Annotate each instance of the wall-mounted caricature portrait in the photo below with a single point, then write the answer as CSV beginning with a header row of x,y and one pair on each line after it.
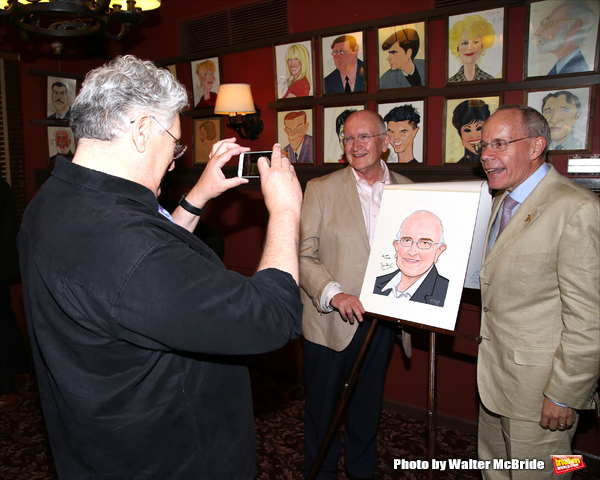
x,y
207,132
404,121
343,63
401,58
423,242
333,132
61,95
568,114
206,78
463,124
60,142
294,70
295,133
563,36
475,46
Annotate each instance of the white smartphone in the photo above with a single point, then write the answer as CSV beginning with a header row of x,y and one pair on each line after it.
x,y
248,168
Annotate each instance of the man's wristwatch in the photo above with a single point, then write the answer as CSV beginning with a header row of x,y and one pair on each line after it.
x,y
183,203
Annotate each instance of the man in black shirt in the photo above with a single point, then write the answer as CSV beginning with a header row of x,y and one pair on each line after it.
x,y
138,330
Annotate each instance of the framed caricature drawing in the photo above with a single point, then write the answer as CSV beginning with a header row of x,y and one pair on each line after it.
x,y
567,111
60,97
60,142
294,73
562,37
207,132
475,46
343,63
206,78
295,130
464,118
404,121
333,132
401,59
443,226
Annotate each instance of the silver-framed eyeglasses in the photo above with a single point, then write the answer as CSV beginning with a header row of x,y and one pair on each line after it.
x,y
179,149
497,145
422,244
362,139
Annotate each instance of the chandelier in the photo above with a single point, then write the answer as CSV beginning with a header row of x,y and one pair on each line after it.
x,y
75,18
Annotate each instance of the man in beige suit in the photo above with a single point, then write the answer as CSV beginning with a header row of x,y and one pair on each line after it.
x,y
539,358
339,215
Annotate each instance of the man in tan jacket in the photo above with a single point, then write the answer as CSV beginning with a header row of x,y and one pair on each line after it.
x,y
339,215
539,358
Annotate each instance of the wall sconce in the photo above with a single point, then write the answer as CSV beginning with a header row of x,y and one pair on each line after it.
x,y
235,99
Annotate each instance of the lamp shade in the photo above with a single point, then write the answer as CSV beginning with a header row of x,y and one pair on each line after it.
x,y
234,98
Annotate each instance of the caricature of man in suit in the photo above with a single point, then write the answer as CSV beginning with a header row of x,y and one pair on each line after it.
x,y
562,32
418,245
300,148
539,359
349,75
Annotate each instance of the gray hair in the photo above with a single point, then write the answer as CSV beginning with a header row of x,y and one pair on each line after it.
x,y
114,94
533,123
420,212
578,10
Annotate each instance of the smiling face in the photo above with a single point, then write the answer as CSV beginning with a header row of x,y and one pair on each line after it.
x,y
561,117
206,78
296,129
344,57
412,261
469,49
365,157
295,66
62,141
470,134
402,135
510,168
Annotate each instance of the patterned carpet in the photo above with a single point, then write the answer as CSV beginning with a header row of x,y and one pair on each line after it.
x,y
25,455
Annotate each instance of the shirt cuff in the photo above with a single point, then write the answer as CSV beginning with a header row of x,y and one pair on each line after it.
x,y
330,291
555,402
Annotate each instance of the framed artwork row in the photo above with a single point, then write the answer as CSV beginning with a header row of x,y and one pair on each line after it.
x,y
561,39
568,112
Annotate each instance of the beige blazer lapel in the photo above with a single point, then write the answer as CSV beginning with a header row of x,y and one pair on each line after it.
x,y
523,218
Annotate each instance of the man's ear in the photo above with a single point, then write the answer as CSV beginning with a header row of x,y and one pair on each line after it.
x,y
537,147
140,132
441,249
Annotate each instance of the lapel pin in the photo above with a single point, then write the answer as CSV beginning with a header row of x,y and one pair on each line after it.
x,y
528,219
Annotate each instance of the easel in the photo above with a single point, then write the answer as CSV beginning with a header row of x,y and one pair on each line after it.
x,y
349,385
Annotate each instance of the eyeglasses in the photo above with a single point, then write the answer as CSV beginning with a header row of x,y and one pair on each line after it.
x,y
548,24
407,242
341,52
497,145
179,149
362,139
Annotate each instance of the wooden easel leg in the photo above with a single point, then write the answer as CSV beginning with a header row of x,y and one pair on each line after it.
x,y
341,405
431,405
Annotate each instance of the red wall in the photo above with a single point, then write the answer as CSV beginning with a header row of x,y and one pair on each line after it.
x,y
239,217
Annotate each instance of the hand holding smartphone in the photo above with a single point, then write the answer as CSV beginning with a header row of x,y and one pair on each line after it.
x,y
247,167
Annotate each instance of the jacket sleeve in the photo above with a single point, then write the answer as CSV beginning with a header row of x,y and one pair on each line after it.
x,y
576,362
314,276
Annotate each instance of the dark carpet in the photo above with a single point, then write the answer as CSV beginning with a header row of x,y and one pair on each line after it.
x,y
278,403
